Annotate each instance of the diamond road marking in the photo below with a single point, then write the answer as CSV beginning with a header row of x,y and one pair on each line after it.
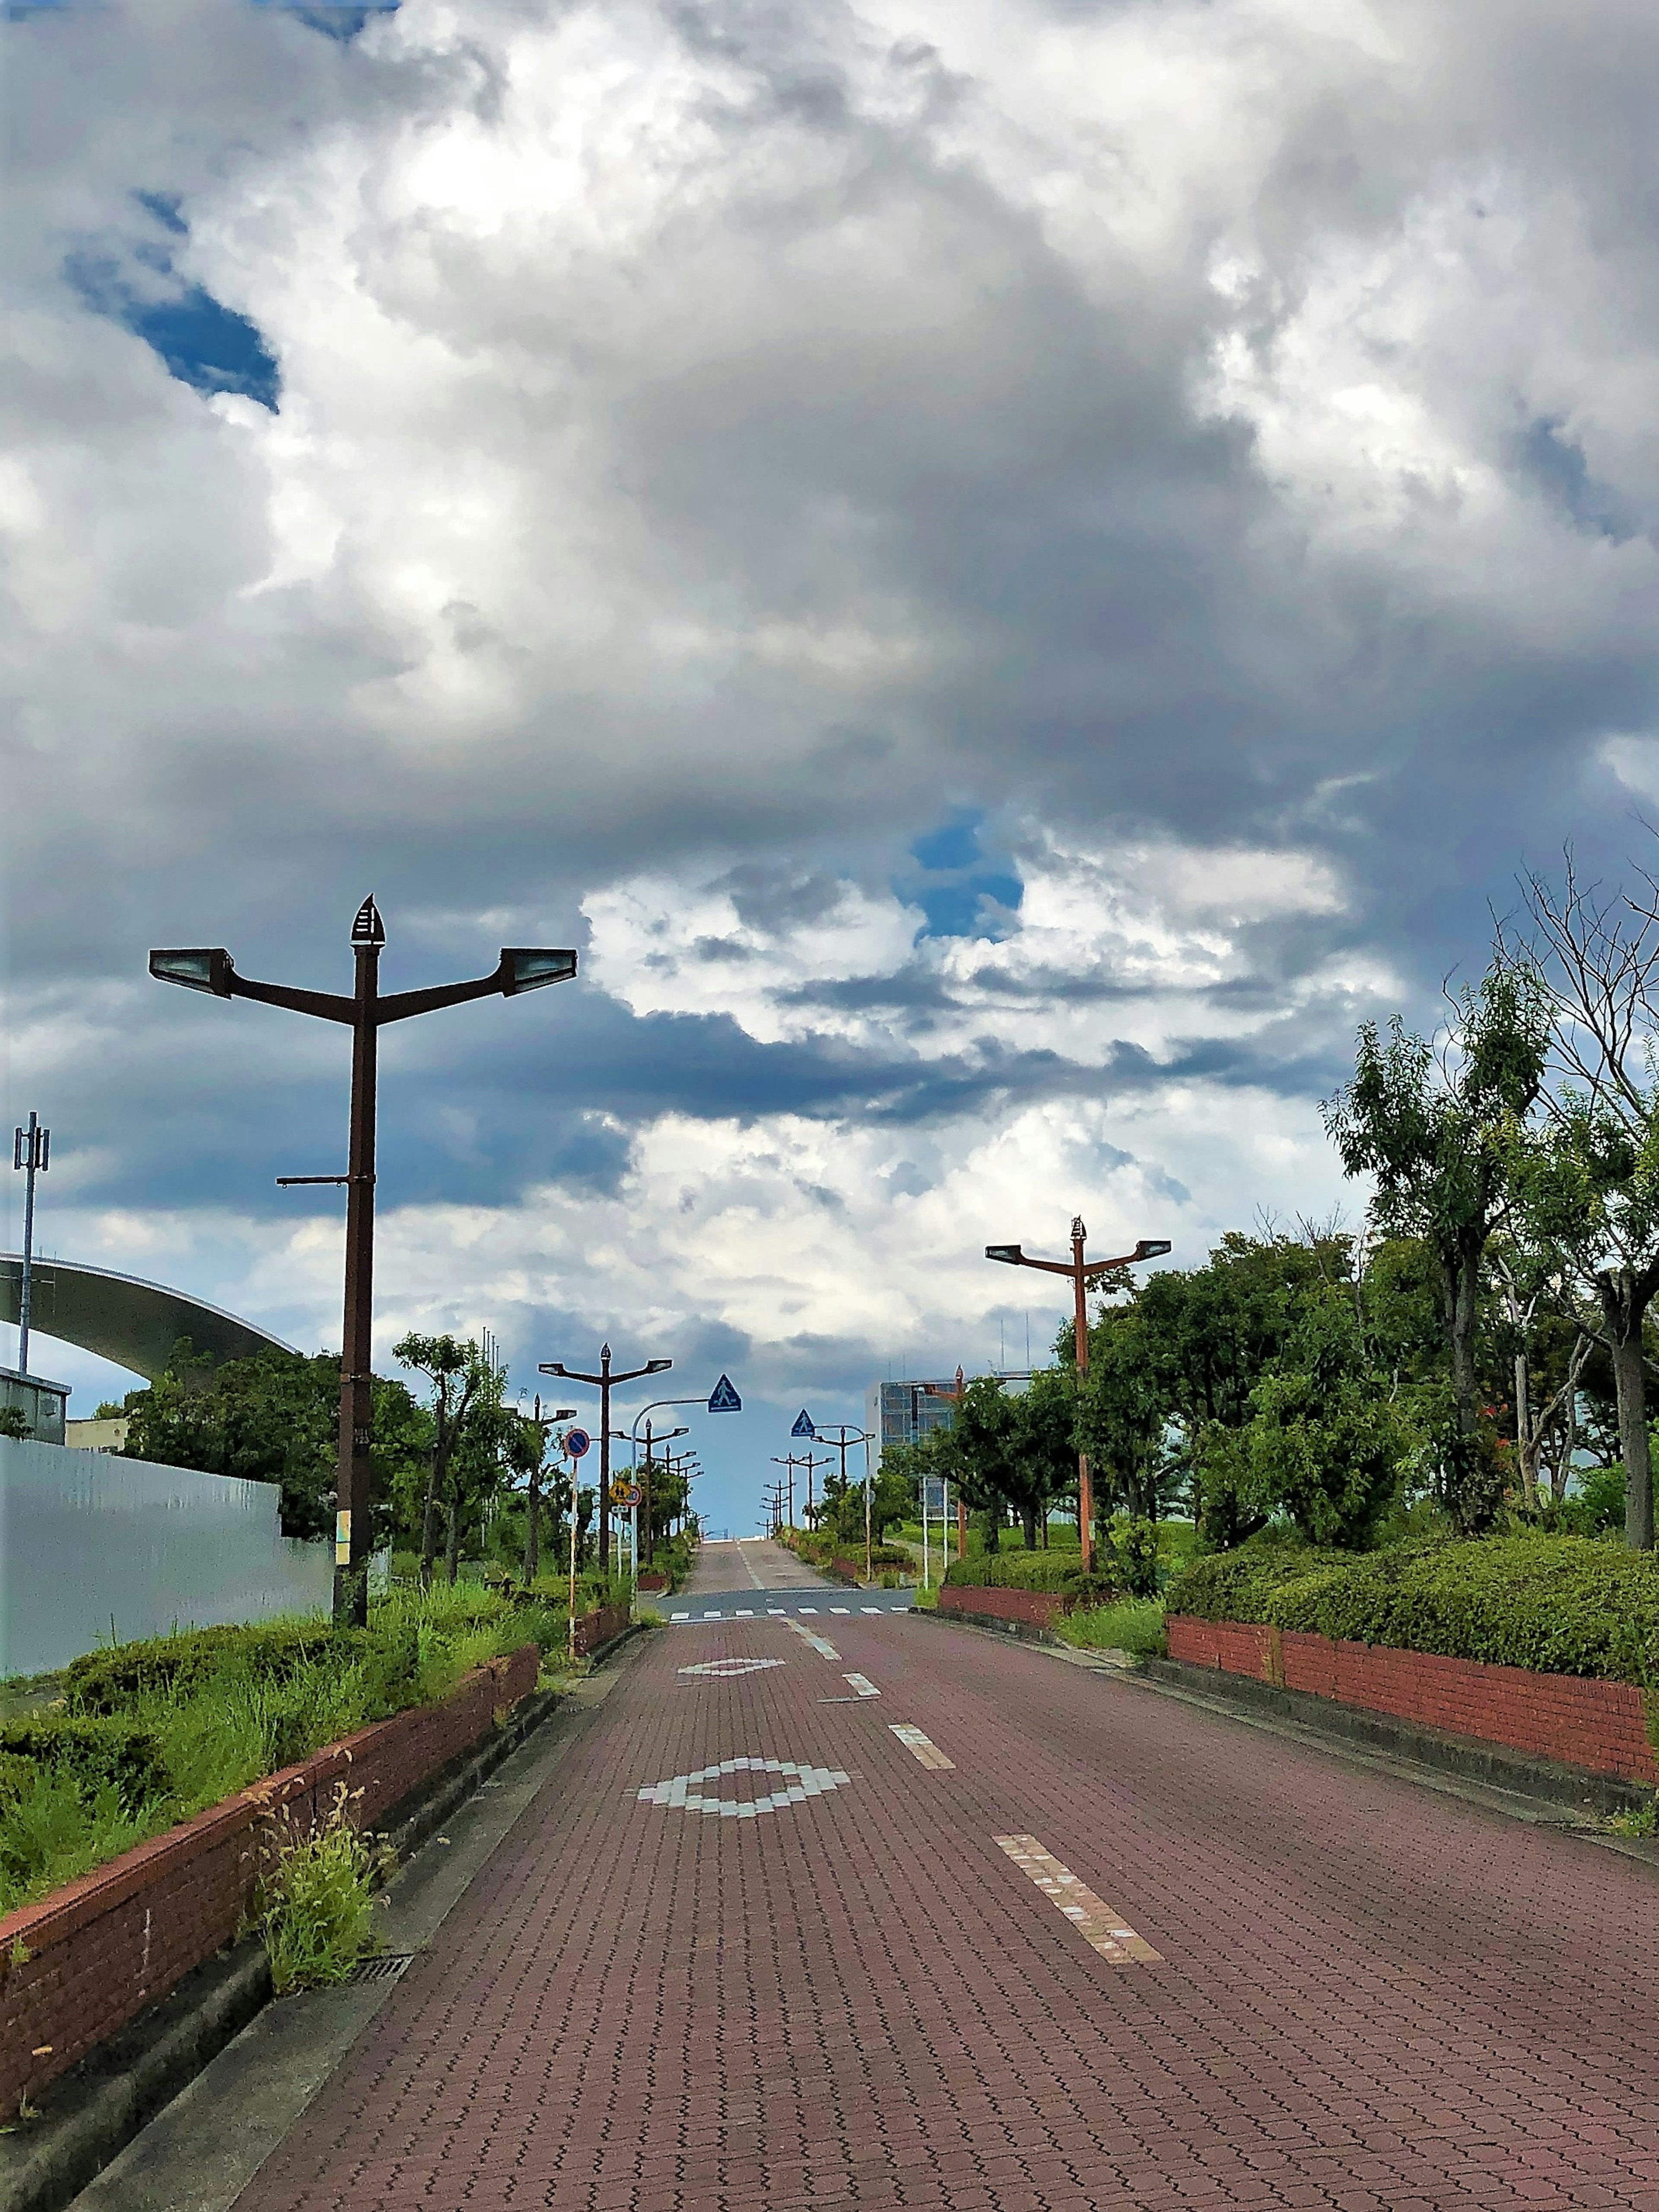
x,y
725,1667
824,1651
809,1782
921,1746
1103,1930
863,1685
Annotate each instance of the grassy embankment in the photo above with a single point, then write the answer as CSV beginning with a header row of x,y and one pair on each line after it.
x,y
146,1734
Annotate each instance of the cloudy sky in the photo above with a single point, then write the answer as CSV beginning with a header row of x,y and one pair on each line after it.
x,y
1006,572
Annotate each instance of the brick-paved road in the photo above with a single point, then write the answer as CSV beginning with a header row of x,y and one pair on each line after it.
x,y
1370,1997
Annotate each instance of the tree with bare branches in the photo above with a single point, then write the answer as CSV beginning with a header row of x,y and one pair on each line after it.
x,y
1591,1184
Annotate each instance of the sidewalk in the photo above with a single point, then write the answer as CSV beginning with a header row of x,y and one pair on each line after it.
x,y
1121,1953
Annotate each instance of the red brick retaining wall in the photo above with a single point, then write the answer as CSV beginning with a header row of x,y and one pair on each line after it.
x,y
1599,1726
594,1629
81,1963
1031,1608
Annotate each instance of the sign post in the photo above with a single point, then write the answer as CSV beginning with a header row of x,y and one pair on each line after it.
x,y
577,1444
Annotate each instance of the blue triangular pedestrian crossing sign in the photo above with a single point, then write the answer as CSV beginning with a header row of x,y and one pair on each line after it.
x,y
723,1399
803,1425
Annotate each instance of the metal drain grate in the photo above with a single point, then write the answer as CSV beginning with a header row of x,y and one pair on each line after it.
x,y
389,1966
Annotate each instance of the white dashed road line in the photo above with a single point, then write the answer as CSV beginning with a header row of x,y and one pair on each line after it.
x,y
1102,1928
922,1747
824,1651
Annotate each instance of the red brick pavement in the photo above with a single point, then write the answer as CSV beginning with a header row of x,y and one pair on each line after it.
x,y
1373,1997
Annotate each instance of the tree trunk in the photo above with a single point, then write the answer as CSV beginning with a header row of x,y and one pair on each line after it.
x,y
1028,1523
452,1546
1459,1293
1624,1298
434,1478
1526,1443
532,1539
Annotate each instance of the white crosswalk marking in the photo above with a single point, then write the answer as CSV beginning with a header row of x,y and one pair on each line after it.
x,y
863,1685
679,1616
872,1609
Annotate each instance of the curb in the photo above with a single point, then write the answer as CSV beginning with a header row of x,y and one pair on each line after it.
x,y
1471,1758
99,2105
1024,1631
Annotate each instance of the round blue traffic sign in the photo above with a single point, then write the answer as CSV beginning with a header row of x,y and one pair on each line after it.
x,y
577,1442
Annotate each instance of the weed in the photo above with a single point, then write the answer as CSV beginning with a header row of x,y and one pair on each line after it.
x,y
1640,1821
317,1904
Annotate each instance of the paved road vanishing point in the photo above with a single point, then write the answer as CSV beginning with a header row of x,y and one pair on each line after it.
x,y
860,1910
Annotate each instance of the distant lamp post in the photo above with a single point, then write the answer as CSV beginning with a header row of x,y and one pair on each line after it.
x,y
210,969
605,1381
847,1434
31,1150
1083,1273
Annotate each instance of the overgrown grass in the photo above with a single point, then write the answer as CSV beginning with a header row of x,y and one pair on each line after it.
x,y
1133,1624
150,1734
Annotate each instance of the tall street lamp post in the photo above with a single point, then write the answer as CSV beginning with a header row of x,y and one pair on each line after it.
x,y
847,1434
1083,1273
31,1150
210,968
607,1380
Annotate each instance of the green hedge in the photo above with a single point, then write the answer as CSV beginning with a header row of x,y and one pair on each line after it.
x,y
95,1754
1559,1605
1032,1570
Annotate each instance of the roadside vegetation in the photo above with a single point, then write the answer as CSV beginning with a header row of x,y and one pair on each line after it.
x,y
146,1734
1430,1428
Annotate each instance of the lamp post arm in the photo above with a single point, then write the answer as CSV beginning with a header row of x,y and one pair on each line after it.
x,y
401,1004
1048,1267
1105,1267
326,1005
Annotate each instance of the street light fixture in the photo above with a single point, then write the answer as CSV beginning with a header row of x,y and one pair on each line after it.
x,y
1083,1273
605,1381
210,968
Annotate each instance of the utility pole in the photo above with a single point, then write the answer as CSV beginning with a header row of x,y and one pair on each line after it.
x,y
31,1150
605,1381
210,969
1083,1274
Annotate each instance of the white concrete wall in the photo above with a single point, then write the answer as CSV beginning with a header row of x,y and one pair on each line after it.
x,y
92,1546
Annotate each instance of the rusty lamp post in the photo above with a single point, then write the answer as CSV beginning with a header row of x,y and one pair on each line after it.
x,y
210,968
1083,1273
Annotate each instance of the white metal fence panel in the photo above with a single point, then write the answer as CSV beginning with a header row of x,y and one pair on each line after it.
x,y
94,1547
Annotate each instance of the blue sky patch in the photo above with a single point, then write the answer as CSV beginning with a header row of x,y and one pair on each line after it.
x,y
205,344
957,875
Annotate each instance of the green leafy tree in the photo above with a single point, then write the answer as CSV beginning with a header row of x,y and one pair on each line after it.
x,y
1123,1413
460,1379
1325,1447
274,1418
1435,1128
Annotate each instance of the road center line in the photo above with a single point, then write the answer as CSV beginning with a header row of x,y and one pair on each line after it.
x,y
922,1747
863,1685
824,1651
1102,1928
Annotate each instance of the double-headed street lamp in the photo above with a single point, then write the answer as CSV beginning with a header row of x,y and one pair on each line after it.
x,y
607,1380
847,1434
1083,1273
210,968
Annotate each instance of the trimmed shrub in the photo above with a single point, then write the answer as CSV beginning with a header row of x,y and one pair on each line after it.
x,y
1032,1570
1557,1605
95,1754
